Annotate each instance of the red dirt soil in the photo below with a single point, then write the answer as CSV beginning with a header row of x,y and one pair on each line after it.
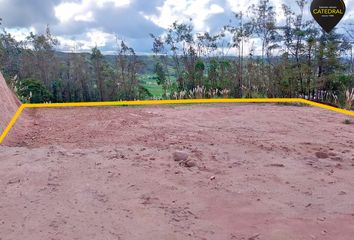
x,y
8,104
262,171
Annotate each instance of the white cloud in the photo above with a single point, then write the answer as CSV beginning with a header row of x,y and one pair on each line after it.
x,y
88,17
67,11
91,39
198,10
92,22
117,3
99,38
243,6
20,34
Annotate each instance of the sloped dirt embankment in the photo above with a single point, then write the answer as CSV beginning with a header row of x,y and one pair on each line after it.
x,y
8,104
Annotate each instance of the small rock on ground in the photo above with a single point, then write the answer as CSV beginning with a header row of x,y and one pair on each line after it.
x,y
179,156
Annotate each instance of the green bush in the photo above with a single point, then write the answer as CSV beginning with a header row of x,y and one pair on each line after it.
x,y
33,91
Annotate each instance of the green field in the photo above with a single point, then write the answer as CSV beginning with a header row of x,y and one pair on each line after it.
x,y
149,82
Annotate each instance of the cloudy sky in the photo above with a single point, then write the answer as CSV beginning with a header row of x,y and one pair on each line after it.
x,y
97,22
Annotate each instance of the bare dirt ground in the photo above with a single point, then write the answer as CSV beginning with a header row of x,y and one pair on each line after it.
x,y
255,172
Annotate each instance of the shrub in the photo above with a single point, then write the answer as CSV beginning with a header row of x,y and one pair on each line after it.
x,y
33,91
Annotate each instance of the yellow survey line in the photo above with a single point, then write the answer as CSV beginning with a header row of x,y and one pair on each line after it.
x,y
324,106
161,102
12,122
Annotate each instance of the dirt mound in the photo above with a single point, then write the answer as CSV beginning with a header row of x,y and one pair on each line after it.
x,y
8,104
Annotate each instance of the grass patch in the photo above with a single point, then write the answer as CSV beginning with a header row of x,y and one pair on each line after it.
x,y
155,90
148,81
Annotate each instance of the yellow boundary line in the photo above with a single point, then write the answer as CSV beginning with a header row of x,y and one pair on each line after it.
x,y
164,102
12,122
